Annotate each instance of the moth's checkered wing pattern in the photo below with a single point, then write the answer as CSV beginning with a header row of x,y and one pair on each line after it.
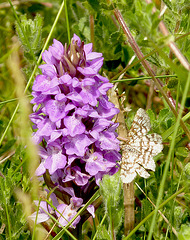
x,y
140,126
139,150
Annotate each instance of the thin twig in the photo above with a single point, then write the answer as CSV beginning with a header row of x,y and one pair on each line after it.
x,y
3,158
146,56
51,230
150,95
92,29
48,228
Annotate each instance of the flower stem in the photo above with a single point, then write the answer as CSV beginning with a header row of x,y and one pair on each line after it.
x,y
144,78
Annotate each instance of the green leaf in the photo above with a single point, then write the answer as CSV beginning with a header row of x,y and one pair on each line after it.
x,y
163,114
187,170
151,115
95,4
103,233
168,4
184,233
112,192
182,152
32,29
172,83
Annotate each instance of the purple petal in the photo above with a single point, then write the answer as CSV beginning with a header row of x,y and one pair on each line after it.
x,y
42,217
94,163
105,87
98,77
55,109
76,39
56,160
68,214
45,129
87,71
76,202
90,95
81,179
101,124
44,83
91,210
48,58
49,70
40,170
57,49
75,97
66,79
74,125
93,55
88,48
78,145
96,64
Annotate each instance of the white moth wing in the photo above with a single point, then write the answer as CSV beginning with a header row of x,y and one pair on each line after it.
x,y
139,150
141,124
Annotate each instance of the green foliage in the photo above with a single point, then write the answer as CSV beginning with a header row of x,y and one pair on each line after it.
x,y
35,23
164,120
172,83
184,233
187,170
111,190
30,35
13,217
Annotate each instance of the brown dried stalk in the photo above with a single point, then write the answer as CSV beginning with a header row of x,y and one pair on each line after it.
x,y
150,95
129,217
92,29
48,229
146,65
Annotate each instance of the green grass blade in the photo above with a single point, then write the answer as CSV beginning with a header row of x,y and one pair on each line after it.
x,y
144,78
67,21
161,189
34,228
8,221
103,219
58,223
169,131
152,213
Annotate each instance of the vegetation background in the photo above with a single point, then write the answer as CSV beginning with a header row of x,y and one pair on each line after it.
x,y
28,28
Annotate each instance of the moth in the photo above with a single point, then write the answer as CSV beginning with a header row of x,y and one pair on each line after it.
x,y
139,148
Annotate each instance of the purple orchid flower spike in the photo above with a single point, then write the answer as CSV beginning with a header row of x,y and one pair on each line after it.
x,y
72,123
